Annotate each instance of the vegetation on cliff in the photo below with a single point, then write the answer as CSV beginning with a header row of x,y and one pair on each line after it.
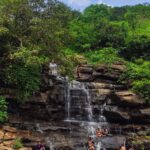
x,y
33,33
3,109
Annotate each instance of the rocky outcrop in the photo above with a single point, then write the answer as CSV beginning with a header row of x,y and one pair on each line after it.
x,y
50,105
102,72
8,136
128,98
104,86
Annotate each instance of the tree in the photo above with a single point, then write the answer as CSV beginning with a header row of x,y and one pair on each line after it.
x,y
132,20
33,32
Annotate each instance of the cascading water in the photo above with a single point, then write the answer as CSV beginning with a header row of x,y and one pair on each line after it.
x,y
49,143
88,103
88,123
38,128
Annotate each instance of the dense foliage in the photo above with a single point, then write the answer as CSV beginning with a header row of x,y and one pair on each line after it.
x,y
117,34
32,33
139,76
103,56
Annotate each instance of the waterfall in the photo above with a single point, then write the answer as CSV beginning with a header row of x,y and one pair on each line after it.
x,y
88,103
78,99
49,143
68,85
38,128
99,146
73,86
102,118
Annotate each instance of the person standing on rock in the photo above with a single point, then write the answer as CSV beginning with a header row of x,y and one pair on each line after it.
x,y
53,68
99,132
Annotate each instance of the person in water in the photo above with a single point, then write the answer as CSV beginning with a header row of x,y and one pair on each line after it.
x,y
39,146
122,147
99,132
91,145
105,131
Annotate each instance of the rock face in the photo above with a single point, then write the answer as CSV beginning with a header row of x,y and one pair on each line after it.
x,y
59,99
103,87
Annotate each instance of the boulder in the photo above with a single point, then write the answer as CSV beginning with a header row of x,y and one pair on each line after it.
x,y
5,148
39,98
128,98
141,115
1,134
119,67
9,129
116,114
9,143
9,136
88,70
84,77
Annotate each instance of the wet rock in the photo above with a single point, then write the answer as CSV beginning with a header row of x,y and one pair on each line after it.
x,y
113,142
145,112
39,98
141,115
65,148
116,114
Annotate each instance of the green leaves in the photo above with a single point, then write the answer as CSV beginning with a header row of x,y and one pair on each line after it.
x,y
17,143
103,56
31,34
139,76
25,79
3,109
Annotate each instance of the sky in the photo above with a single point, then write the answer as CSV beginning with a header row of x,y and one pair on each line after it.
x,y
82,4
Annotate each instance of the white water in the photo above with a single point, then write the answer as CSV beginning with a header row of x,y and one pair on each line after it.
x,y
38,128
88,103
49,143
90,125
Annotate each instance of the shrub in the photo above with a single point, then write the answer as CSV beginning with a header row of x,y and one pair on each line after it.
x,y
103,56
17,144
139,75
3,109
143,88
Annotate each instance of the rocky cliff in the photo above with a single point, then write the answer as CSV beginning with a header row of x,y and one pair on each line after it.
x,y
42,117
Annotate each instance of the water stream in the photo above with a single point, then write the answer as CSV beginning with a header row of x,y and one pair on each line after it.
x,y
79,93
81,118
